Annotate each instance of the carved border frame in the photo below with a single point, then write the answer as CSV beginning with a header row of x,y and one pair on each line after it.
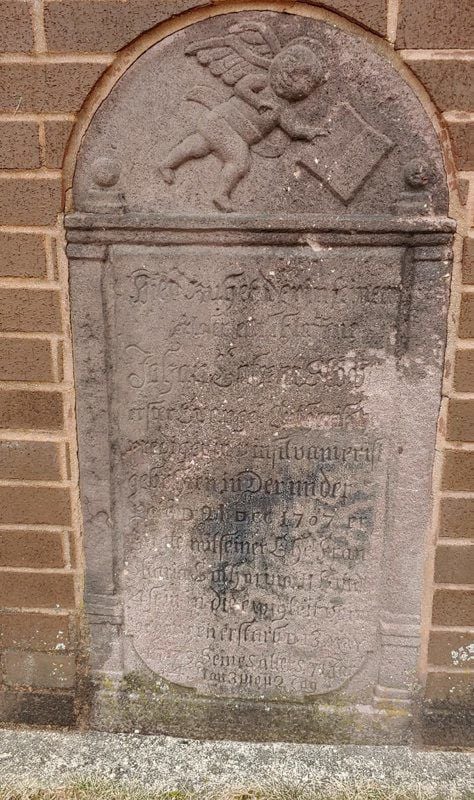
x,y
426,265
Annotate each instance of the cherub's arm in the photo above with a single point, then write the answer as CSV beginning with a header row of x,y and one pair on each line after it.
x,y
296,129
249,88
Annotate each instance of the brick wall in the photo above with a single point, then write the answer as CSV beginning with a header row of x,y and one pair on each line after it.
x,y
51,54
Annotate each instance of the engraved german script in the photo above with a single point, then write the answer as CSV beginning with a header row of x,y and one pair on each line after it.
x,y
251,477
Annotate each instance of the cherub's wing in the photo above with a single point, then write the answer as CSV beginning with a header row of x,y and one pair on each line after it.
x,y
235,54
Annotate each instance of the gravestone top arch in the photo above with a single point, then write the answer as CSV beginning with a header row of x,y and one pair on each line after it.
x,y
260,257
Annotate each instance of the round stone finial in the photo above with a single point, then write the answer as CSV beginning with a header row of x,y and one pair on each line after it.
x,y
418,173
105,171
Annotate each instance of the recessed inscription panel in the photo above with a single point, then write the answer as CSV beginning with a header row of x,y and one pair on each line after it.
x,y
250,476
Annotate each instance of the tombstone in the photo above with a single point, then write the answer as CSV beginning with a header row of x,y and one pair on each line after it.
x,y
260,258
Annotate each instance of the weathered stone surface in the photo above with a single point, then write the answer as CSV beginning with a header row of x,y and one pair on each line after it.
x,y
259,329
180,109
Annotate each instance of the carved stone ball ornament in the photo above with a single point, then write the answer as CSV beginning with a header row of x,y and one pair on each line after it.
x,y
106,172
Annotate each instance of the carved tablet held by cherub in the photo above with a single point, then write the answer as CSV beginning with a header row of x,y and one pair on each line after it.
x,y
267,79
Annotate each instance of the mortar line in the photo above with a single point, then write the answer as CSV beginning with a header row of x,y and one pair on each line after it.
x,y
435,669
462,587
30,174
31,116
39,35
57,58
42,142
31,436
456,494
49,337
35,570
66,550
34,484
34,527
452,542
29,283
51,612
35,386
31,229
452,629
49,259
458,116
437,55
393,7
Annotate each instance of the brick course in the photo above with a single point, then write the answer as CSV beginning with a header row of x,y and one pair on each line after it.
x,y
29,201
38,670
16,28
26,360
29,310
20,409
31,461
46,88
33,631
449,81
22,255
34,549
435,24
19,145
56,135
36,590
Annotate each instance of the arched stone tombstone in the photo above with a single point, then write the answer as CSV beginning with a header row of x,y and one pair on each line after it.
x,y
260,258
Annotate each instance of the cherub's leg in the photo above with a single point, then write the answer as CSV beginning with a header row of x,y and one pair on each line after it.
x,y
236,165
194,146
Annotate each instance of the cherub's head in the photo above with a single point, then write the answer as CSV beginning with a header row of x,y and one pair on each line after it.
x,y
418,173
295,72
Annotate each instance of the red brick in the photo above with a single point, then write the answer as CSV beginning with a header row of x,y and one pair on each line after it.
x,y
458,471
25,360
30,201
39,670
16,28
466,317
451,649
453,687
108,26
35,505
22,255
104,26
462,141
57,134
47,87
460,422
24,410
457,518
454,564
453,608
38,708
36,590
468,260
435,24
29,461
30,311
19,145
35,549
34,631
463,379
449,81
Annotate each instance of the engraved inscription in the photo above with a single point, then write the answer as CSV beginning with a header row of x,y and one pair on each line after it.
x,y
252,476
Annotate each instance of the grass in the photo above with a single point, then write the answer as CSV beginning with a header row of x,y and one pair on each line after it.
x,y
93,790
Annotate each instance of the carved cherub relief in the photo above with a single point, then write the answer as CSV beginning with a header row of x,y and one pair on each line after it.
x,y
267,79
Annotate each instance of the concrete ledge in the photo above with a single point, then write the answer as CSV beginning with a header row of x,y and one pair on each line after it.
x,y
52,759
